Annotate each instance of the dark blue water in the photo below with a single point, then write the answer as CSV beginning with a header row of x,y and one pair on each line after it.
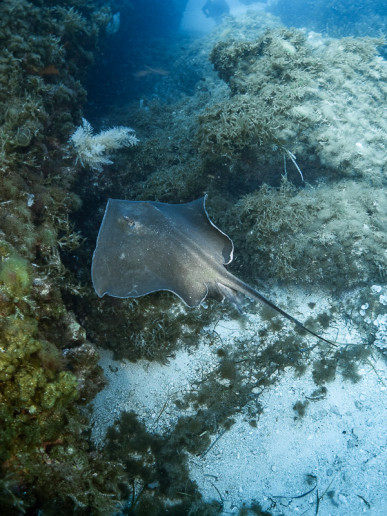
x,y
151,34
334,17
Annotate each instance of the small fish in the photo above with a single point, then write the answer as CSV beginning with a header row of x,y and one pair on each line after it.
x,y
147,70
49,70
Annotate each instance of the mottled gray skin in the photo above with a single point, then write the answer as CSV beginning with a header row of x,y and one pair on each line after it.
x,y
146,246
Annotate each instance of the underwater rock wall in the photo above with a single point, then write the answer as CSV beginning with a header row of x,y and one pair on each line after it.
x,y
48,370
317,98
330,234
300,105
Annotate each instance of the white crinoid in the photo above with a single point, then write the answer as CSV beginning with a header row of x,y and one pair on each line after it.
x,y
93,149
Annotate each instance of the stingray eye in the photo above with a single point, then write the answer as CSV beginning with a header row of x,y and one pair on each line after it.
x,y
130,222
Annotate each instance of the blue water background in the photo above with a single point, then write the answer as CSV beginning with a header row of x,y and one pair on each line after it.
x,y
151,34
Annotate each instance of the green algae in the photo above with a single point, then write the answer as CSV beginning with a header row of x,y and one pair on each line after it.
x,y
32,397
39,401
15,277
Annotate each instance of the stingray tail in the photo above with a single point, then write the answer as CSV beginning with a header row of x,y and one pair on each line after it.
x,y
235,297
250,292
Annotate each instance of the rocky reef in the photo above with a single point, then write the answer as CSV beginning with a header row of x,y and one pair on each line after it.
x,y
301,107
279,105
48,370
327,234
315,97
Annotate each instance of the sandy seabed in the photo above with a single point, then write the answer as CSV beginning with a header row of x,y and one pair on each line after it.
x,y
331,461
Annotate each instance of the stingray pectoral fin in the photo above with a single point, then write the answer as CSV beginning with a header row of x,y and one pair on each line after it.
x,y
192,297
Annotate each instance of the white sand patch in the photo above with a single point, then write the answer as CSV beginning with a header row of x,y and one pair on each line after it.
x,y
340,444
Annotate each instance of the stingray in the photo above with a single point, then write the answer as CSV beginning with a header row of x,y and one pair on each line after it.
x,y
146,246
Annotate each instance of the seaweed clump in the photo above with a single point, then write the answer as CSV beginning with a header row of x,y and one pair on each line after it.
x,y
150,328
326,234
157,477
